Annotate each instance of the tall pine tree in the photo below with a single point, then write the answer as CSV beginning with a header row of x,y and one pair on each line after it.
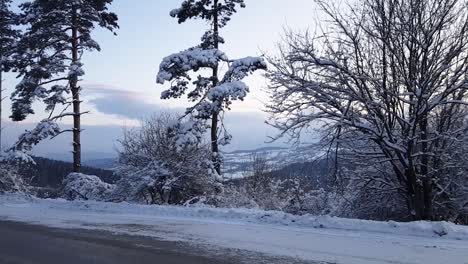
x,y
210,95
8,37
49,54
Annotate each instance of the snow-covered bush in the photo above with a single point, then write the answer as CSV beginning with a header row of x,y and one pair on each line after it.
x,y
165,162
259,184
86,187
452,199
234,196
10,180
369,199
139,184
256,189
345,194
301,200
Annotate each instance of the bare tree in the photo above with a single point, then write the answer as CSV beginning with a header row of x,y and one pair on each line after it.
x,y
387,81
258,175
154,166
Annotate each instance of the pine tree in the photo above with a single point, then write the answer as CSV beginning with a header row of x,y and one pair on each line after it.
x,y
49,54
211,95
8,37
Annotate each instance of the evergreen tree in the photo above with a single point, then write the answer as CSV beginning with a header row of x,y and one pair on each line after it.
x,y
49,54
210,95
8,37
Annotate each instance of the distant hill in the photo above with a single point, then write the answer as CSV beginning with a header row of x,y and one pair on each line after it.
x,y
87,156
257,150
236,163
108,163
50,173
311,175
286,162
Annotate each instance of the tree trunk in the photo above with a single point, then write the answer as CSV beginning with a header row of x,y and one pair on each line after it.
x,y
427,182
214,118
214,143
415,195
76,102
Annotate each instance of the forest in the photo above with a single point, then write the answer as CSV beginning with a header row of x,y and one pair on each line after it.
x,y
381,83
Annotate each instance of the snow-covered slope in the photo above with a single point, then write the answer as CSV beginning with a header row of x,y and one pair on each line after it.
x,y
237,162
305,237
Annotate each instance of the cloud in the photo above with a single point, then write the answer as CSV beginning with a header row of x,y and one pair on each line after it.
x,y
248,129
124,107
122,103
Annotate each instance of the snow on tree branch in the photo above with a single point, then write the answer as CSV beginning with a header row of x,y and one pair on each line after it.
x,y
236,90
241,68
177,68
188,133
43,130
75,70
19,151
179,64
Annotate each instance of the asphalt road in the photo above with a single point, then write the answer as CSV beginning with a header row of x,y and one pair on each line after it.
x,y
31,244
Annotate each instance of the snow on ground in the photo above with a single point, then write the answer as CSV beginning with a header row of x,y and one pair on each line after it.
x,y
323,238
236,163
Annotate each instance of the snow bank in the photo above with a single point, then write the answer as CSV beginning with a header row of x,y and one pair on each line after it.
x,y
443,230
319,239
82,186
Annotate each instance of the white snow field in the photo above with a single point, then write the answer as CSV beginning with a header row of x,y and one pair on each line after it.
x,y
328,239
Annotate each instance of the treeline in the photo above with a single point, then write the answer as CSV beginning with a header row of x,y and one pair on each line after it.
x,y
50,173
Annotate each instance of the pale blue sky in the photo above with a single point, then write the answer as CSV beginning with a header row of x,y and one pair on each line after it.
x,y
119,85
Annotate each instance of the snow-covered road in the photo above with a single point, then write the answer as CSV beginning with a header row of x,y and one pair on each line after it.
x,y
327,239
